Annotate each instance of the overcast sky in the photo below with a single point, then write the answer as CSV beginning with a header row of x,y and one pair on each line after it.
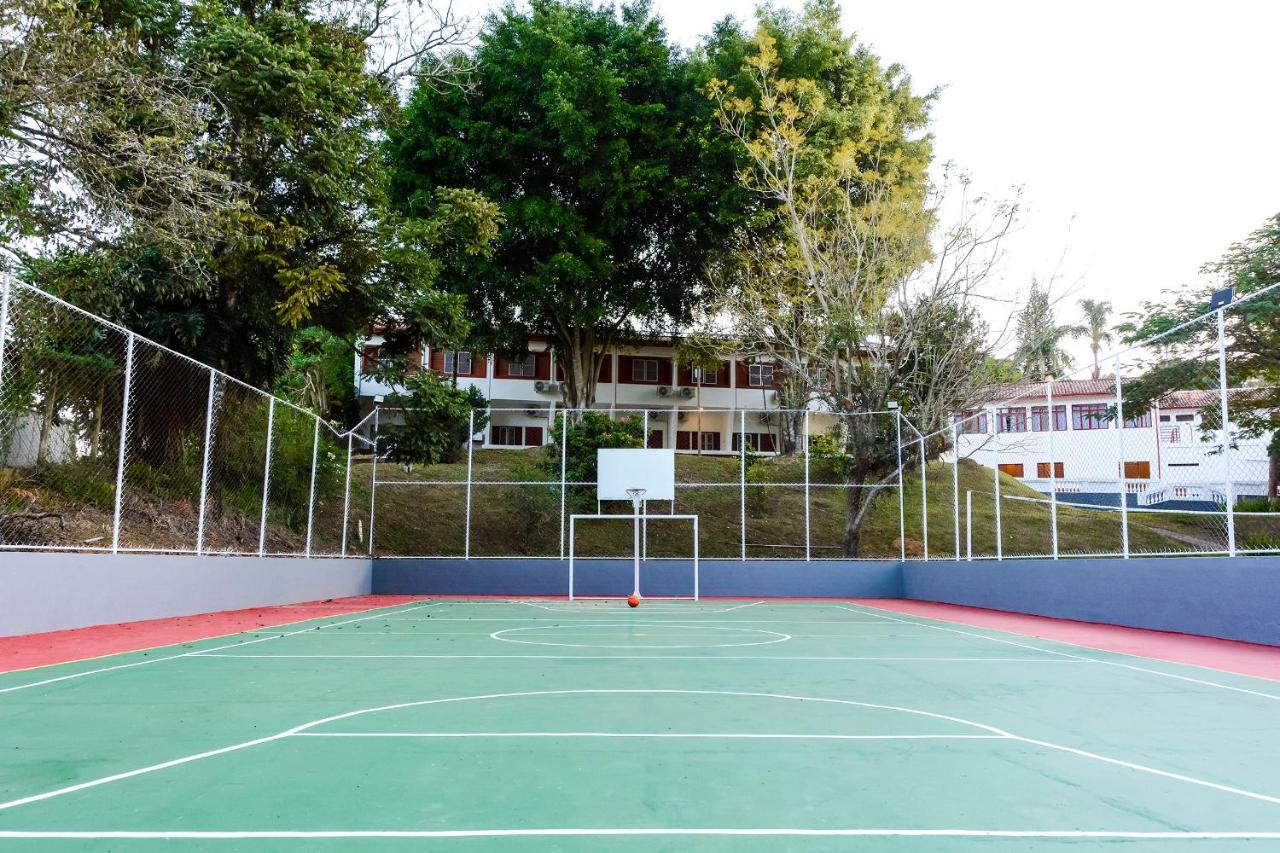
x,y
1145,134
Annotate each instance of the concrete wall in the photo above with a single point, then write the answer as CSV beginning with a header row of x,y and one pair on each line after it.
x,y
52,591
1236,599
764,579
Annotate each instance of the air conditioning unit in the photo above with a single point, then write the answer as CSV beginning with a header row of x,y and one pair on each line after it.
x,y
682,416
665,390
686,393
544,386
535,413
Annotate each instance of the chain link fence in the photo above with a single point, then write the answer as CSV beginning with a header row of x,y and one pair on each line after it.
x,y
111,442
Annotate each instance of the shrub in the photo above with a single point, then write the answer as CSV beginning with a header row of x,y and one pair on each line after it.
x,y
591,432
436,417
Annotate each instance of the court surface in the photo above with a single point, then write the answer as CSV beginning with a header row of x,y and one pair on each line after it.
x,y
725,726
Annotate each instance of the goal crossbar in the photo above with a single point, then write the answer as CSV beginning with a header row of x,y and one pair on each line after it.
x,y
636,519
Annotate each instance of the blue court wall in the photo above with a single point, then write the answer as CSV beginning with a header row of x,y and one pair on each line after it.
x,y
763,579
1232,598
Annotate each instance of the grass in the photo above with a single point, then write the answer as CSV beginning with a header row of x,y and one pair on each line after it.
x,y
414,518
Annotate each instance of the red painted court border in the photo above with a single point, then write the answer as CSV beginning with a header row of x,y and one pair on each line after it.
x,y
1209,652
32,650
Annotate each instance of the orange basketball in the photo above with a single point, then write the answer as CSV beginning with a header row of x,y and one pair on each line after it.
x,y
633,600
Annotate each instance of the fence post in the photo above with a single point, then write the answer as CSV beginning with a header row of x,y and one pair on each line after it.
x,y
924,502
968,524
1053,472
564,445
311,494
999,529
4,326
742,478
471,447
955,483
346,494
204,464
1228,488
1124,483
373,475
808,547
124,443
902,517
266,476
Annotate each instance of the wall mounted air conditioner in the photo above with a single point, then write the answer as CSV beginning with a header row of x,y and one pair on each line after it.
x,y
686,393
665,390
544,386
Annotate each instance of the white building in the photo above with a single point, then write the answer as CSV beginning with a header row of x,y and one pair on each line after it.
x,y
1160,458
688,410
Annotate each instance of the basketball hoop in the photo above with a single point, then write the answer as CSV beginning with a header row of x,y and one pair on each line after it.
x,y
637,497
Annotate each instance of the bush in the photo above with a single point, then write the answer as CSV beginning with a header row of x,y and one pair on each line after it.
x,y
1258,504
535,506
436,417
591,432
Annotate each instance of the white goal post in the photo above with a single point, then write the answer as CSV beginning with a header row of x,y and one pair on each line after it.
x,y
636,518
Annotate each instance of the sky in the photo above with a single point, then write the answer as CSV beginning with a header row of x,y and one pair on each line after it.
x,y
1144,135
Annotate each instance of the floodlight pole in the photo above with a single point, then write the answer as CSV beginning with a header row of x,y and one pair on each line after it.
x,y
1124,481
1228,488
311,494
346,494
902,518
266,476
204,464
1053,473
955,484
808,539
124,442
924,502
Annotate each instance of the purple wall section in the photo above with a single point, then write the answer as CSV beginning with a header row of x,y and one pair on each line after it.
x,y
1232,598
529,577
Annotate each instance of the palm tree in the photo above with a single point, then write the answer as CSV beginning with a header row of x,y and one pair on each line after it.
x,y
1096,314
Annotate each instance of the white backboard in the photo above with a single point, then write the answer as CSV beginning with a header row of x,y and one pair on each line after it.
x,y
650,469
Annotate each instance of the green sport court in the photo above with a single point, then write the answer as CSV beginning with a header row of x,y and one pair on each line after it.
x,y
730,725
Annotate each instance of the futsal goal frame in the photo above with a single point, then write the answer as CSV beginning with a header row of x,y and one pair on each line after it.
x,y
637,519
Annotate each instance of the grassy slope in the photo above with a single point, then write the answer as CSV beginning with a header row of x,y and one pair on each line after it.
x,y
524,520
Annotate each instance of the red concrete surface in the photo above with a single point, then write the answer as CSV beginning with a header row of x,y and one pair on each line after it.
x,y
1209,652
29,650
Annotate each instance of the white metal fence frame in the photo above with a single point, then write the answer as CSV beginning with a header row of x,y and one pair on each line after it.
x,y
218,381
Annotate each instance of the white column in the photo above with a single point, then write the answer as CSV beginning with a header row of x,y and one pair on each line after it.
x,y
471,444
124,443
924,501
346,495
999,531
742,478
564,446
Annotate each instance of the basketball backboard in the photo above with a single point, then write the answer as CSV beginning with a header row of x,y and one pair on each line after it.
x,y
620,469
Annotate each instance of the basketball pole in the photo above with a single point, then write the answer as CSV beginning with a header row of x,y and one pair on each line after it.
x,y
637,498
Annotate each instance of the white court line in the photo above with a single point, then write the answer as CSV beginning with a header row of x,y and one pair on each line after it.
x,y
644,657
661,607
259,639
1228,789
695,735
1103,662
613,617
186,835
777,637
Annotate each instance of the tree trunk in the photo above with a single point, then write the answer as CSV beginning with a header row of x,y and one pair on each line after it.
x,y
95,432
1273,474
581,365
853,515
46,420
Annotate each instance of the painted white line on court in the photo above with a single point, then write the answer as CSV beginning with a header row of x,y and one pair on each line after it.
x,y
923,624
775,637
306,727
676,735
645,657
743,606
613,617
258,639
644,831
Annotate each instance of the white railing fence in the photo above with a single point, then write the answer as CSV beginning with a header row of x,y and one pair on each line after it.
x,y
112,442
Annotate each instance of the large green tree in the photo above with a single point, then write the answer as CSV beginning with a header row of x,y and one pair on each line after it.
x,y
1187,351
585,126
